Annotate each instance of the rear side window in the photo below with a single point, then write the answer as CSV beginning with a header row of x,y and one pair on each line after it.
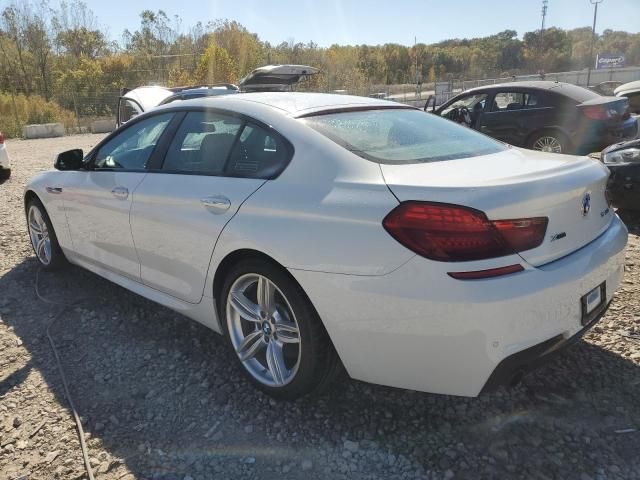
x,y
533,100
202,143
505,101
579,94
211,143
259,153
508,101
399,136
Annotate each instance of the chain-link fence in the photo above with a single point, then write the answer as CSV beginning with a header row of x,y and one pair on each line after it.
x,y
450,88
87,107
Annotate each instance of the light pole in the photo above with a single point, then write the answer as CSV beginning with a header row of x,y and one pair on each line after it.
x,y
595,3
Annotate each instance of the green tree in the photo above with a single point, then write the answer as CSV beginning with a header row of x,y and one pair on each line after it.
x,y
216,66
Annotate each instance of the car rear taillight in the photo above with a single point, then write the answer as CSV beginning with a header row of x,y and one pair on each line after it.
x,y
626,114
453,233
1,138
597,112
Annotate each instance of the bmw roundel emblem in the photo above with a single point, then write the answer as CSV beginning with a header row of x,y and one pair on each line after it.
x,y
586,204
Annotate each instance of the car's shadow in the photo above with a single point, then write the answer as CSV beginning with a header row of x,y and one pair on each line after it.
x,y
631,218
162,396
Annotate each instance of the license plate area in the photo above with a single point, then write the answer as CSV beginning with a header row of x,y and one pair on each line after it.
x,y
593,302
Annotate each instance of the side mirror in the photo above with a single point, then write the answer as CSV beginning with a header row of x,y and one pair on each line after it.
x,y
69,160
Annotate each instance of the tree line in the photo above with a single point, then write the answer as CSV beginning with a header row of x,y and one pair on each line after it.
x,y
63,54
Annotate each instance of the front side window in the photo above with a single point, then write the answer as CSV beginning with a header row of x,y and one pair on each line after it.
x,y
400,136
131,149
210,143
472,102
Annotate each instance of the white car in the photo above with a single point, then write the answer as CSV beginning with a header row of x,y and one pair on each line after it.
x,y
5,163
271,78
631,91
317,230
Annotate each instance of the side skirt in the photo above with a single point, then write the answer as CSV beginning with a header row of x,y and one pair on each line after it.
x,y
203,312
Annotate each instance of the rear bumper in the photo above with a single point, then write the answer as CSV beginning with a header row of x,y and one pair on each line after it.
x,y
417,328
627,131
510,370
595,142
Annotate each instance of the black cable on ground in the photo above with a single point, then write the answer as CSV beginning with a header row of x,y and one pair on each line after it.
x,y
76,417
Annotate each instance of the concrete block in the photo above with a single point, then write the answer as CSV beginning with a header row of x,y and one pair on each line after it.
x,y
103,126
44,130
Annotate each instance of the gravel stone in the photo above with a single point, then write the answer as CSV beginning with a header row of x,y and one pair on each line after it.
x,y
351,446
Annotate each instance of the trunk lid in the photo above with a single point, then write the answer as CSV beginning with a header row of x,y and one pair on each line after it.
x,y
275,77
513,184
613,109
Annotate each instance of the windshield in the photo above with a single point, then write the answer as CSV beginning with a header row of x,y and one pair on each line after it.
x,y
402,136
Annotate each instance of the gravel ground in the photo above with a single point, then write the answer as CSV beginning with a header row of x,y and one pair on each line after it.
x,y
160,396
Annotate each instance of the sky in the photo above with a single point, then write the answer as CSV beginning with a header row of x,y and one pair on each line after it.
x,y
373,22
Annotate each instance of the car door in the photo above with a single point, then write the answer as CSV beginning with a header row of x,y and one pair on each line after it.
x,y
500,120
213,164
514,114
97,201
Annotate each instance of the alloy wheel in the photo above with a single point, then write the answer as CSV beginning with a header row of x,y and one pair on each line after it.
x,y
548,144
263,329
39,234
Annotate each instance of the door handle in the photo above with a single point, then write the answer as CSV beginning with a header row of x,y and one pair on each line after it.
x,y
216,203
55,190
120,193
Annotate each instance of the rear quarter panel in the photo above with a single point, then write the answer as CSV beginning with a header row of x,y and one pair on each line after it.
x,y
323,213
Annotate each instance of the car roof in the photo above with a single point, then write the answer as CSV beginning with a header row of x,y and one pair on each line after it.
x,y
148,96
294,104
628,88
568,89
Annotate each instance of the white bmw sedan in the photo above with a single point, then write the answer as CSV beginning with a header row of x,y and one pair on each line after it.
x,y
320,231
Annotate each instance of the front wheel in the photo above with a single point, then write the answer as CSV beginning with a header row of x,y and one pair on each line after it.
x,y
43,237
275,332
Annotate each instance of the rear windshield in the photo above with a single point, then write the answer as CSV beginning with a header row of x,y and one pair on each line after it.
x,y
402,136
575,92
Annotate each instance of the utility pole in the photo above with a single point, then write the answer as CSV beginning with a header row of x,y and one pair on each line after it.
x,y
545,5
415,50
595,3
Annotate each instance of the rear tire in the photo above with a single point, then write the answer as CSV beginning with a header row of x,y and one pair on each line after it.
x,y
5,173
43,237
274,331
551,141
